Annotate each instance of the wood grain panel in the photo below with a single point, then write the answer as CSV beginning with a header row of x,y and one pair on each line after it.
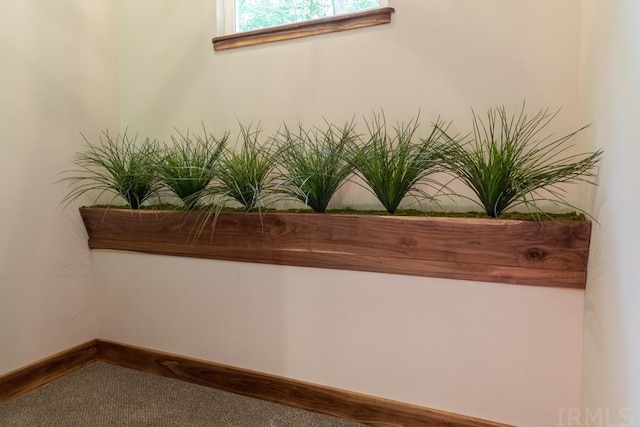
x,y
47,370
365,409
517,252
348,21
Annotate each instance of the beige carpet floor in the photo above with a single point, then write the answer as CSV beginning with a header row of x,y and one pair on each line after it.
x,y
106,395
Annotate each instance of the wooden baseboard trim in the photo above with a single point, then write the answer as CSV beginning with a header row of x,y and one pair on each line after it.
x,y
40,373
368,410
358,407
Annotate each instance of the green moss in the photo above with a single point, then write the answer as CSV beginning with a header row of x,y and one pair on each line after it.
x,y
157,207
521,216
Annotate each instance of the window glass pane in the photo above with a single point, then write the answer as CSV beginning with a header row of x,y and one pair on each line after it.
x,y
256,14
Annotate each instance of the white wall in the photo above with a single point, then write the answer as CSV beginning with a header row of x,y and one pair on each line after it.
x,y
58,79
611,394
441,56
500,352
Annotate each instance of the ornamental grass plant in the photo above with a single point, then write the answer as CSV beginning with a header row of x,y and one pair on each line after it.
x,y
245,174
190,163
508,162
119,166
395,165
315,162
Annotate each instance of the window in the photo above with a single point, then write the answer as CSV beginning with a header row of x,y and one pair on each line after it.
x,y
250,22
248,15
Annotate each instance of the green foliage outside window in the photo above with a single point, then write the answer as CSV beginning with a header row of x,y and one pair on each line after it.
x,y
256,14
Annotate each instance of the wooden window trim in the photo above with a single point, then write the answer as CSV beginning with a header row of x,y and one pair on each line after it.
x,y
347,21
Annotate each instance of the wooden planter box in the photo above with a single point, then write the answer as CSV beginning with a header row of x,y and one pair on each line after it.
x,y
491,250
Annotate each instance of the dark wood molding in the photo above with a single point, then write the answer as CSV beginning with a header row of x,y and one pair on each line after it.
x,y
359,407
366,409
348,21
47,370
549,253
